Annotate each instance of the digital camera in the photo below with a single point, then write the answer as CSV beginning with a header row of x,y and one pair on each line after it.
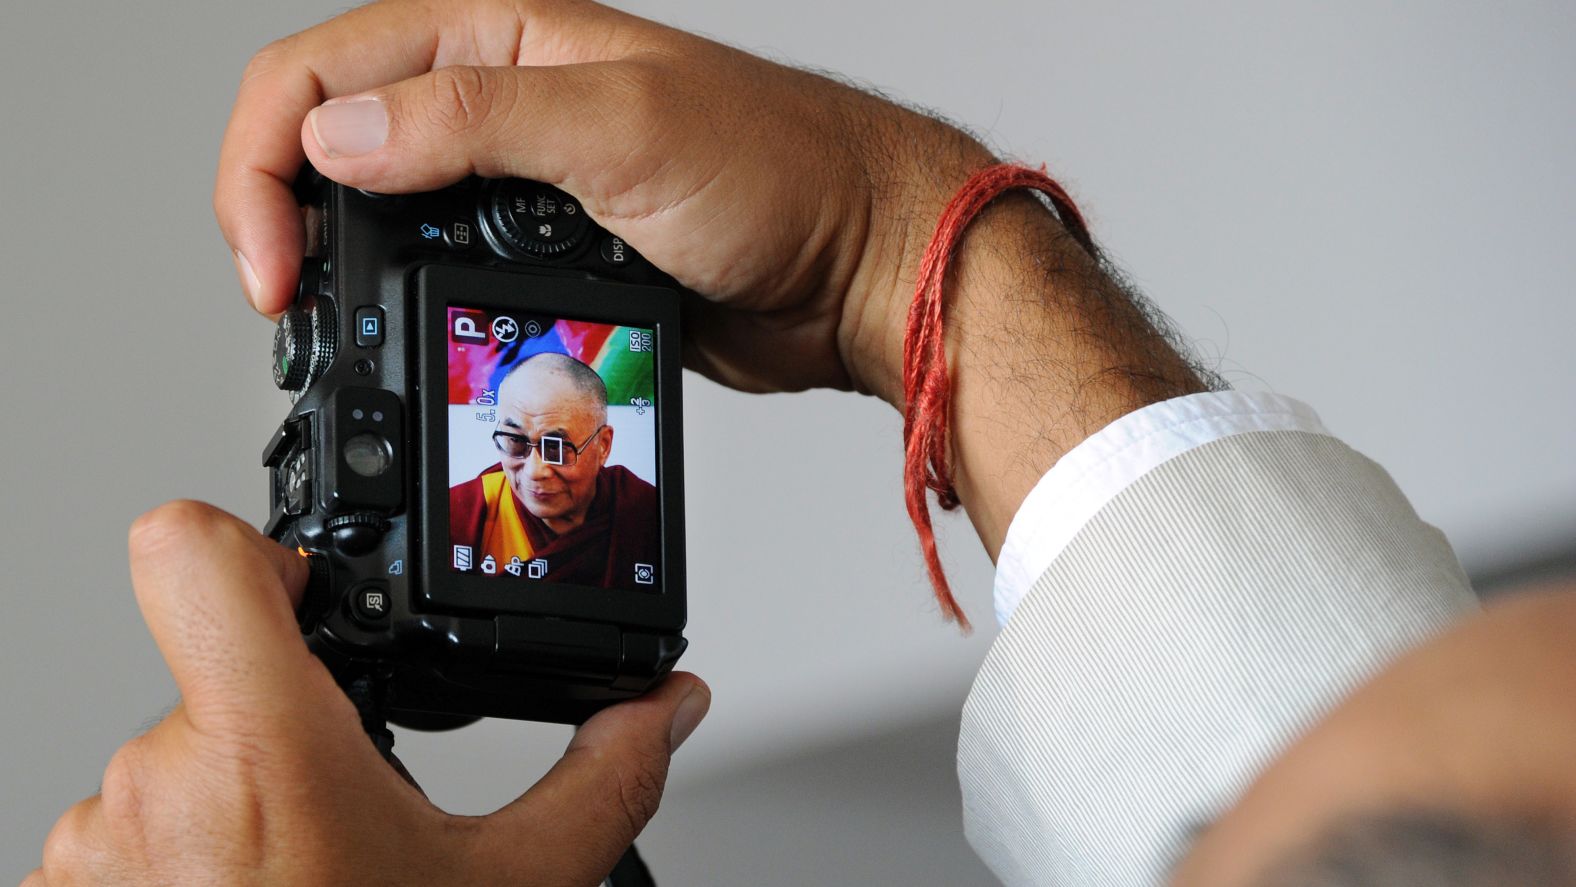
x,y
483,465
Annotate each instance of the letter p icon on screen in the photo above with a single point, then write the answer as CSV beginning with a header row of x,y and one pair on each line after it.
x,y
467,331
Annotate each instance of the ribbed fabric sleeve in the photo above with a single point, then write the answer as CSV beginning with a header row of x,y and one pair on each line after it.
x,y
1199,622
1090,474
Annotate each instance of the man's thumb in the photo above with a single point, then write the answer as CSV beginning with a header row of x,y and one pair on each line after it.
x,y
550,123
590,807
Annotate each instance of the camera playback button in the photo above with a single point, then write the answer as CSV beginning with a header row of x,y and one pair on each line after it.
x,y
369,327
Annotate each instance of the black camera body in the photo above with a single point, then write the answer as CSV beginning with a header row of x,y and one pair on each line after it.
x,y
467,554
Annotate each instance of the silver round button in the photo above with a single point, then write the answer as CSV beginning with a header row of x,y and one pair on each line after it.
x,y
368,454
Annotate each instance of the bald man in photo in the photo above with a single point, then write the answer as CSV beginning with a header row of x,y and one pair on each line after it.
x,y
552,497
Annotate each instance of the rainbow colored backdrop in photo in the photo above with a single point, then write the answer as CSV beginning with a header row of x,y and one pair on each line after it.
x,y
484,345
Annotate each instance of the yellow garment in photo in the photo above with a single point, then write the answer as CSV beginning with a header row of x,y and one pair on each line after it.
x,y
503,533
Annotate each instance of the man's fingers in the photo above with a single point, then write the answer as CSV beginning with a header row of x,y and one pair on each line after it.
x,y
366,48
220,601
75,851
594,802
566,124
260,155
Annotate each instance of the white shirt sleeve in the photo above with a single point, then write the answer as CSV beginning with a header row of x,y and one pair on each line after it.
x,y
1182,596
1094,472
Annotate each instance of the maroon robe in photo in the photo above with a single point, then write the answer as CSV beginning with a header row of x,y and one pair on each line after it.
x,y
622,528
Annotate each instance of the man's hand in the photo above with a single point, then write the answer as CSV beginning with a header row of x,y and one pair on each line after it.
x,y
787,200
262,774
797,207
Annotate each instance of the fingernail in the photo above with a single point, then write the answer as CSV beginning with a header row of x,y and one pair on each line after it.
x,y
689,715
248,276
347,129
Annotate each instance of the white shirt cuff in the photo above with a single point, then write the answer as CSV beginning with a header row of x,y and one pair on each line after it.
x,y
1094,472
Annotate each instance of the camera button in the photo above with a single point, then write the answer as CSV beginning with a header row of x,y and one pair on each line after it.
x,y
369,327
456,234
616,252
370,602
459,234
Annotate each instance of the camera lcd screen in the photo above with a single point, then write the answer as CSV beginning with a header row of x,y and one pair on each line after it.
x,y
552,450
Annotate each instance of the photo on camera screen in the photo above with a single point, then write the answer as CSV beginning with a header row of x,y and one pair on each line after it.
x,y
552,450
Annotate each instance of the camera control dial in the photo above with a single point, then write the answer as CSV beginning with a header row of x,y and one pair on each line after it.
x,y
538,219
357,533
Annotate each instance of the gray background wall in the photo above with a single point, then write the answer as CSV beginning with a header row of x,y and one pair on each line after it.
x,y
1367,206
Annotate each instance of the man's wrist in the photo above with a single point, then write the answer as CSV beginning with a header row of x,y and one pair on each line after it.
x,y
1044,348
915,165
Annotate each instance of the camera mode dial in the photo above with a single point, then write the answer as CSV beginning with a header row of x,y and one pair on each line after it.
x,y
304,345
293,350
538,219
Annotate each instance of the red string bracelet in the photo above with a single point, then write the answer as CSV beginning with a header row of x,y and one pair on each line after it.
x,y
926,386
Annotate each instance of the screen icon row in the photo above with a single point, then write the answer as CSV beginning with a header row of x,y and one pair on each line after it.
x,y
473,329
464,561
